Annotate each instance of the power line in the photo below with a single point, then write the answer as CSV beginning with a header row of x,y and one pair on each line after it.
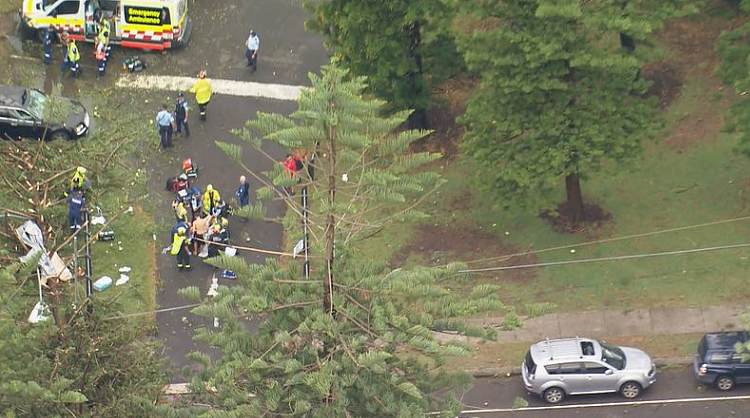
x,y
612,258
156,311
606,240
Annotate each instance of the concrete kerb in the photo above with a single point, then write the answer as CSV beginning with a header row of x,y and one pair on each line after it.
x,y
516,371
177,389
227,87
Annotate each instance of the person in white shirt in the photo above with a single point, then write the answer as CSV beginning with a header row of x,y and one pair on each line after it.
x,y
253,45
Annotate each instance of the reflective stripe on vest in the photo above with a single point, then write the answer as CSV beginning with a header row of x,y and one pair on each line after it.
x,y
176,244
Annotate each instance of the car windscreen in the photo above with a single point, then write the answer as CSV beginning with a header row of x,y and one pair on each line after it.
x,y
37,103
530,365
613,356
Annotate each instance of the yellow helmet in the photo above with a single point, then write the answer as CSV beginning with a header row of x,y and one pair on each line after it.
x,y
209,188
181,230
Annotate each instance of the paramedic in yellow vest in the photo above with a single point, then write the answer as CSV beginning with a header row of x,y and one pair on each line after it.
x,y
210,199
73,58
103,36
202,90
180,212
79,182
180,248
100,53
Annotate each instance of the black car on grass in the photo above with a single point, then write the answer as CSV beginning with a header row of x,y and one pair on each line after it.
x,y
719,360
29,113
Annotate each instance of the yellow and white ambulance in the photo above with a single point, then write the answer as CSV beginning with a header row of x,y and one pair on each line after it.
x,y
143,24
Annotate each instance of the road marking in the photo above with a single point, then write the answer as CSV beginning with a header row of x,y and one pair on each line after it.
x,y
608,404
228,87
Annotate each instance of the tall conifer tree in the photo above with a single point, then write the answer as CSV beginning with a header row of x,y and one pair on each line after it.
x,y
356,338
558,98
399,45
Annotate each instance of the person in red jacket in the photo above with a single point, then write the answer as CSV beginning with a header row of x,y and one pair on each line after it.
x,y
290,166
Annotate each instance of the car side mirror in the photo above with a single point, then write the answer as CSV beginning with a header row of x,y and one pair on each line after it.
x,y
608,372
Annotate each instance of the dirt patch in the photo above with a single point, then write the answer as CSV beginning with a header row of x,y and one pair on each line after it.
x,y
437,245
691,46
666,83
448,103
594,217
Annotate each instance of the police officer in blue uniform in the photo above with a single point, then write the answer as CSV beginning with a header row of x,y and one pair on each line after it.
x,y
49,36
181,115
165,121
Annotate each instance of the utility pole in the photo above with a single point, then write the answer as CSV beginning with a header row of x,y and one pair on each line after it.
x,y
330,231
89,284
305,237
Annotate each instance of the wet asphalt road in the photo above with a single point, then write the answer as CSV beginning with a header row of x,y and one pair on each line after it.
x,y
288,53
225,113
673,384
221,27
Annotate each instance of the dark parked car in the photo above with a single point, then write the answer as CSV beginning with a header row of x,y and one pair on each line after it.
x,y
29,113
718,362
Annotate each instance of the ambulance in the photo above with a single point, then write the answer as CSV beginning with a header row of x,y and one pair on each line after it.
x,y
143,24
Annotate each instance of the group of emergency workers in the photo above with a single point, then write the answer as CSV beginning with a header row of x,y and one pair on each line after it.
x,y
202,222
202,219
71,57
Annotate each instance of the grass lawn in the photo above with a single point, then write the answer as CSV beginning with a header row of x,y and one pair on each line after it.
x,y
110,152
495,355
690,175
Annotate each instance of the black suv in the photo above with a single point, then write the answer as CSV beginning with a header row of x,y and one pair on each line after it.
x,y
718,362
29,113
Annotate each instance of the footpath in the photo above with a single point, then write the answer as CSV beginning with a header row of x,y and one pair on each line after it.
x,y
614,323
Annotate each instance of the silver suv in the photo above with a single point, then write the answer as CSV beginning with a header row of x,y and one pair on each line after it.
x,y
573,366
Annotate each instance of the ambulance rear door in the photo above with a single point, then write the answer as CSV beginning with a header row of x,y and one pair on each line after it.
x,y
146,24
181,25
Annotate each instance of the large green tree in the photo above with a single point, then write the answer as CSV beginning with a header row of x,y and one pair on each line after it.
x,y
734,68
355,338
399,45
75,364
558,98
635,20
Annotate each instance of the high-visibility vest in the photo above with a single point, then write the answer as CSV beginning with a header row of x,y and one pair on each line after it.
x,y
210,200
177,242
73,55
78,180
103,37
202,90
181,212
105,27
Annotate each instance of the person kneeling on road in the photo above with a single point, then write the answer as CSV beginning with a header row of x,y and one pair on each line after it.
x,y
219,236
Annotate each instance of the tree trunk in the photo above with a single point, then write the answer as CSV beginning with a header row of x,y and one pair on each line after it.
x,y
330,220
627,42
574,197
418,119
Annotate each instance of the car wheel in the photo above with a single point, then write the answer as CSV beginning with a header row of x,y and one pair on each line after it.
x,y
553,395
724,383
630,390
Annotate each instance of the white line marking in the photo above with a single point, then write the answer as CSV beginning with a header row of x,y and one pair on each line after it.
x,y
229,87
608,404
